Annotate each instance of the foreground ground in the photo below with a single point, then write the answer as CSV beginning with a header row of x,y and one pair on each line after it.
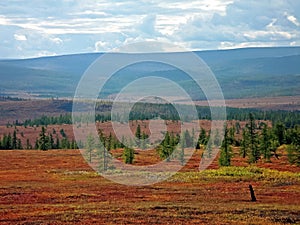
x,y
56,187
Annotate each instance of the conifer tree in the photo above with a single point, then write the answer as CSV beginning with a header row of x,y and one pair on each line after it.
x,y
226,152
265,143
90,145
138,135
128,155
244,143
43,141
14,140
254,150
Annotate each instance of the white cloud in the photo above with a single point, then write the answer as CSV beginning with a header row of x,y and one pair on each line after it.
x,y
72,26
294,20
56,40
20,37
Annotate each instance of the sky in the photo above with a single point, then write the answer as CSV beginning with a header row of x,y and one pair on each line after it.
x,y
38,28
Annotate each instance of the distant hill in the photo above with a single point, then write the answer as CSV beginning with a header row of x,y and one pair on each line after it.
x,y
242,73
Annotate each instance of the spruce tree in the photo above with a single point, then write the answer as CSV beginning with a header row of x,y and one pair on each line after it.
x,y
202,140
226,152
138,135
43,141
14,140
90,145
254,150
265,143
244,143
128,155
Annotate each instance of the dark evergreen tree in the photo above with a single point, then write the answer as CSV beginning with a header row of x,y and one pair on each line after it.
x,y
43,141
19,144
279,131
138,135
14,140
226,152
244,149
254,150
28,145
128,155
264,141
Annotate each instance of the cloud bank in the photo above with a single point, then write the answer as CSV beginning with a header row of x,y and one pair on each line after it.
x,y
39,27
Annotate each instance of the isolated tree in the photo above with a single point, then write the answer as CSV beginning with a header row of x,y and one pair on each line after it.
x,y
144,140
57,143
226,152
128,155
90,145
264,142
244,143
19,144
279,131
28,145
62,132
14,140
51,142
138,135
103,155
254,150
165,149
202,140
43,141
65,144
181,153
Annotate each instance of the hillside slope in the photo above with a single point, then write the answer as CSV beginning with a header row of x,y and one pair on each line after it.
x,y
242,73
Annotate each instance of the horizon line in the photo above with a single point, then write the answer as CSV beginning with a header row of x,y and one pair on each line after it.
x,y
156,52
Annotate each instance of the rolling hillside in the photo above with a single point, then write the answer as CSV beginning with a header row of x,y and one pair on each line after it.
x,y
242,73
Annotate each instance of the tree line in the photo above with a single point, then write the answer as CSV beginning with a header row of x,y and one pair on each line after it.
x,y
260,142
147,111
46,140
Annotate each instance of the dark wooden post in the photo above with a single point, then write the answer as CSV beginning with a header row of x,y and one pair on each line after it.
x,y
253,198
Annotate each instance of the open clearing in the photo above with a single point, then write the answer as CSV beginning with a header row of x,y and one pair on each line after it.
x,y
267,103
58,187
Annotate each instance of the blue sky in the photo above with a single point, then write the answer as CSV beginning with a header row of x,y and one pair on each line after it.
x,y
38,27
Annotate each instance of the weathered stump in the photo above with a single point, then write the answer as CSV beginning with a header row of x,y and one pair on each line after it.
x,y
253,198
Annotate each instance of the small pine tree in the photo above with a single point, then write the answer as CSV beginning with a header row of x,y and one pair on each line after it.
x,y
226,152
51,142
264,141
90,145
244,143
19,144
28,145
181,153
128,155
138,135
254,150
43,141
14,140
